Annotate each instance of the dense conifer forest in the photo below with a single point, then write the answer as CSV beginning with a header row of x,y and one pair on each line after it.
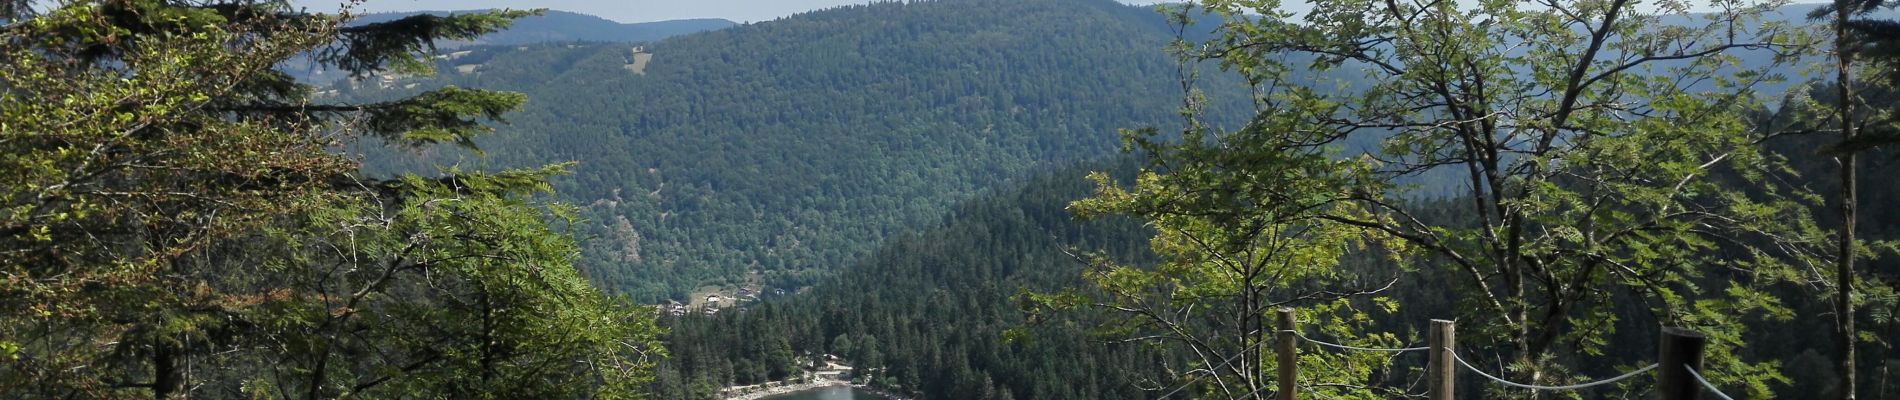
x,y
930,308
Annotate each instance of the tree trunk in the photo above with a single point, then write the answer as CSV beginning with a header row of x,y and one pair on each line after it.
x,y
1844,285
317,375
490,345
168,379
1520,315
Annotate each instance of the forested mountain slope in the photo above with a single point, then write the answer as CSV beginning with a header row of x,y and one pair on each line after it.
x,y
929,310
770,152
933,310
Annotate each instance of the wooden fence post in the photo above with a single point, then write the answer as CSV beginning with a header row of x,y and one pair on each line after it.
x,y
1680,347
1442,373
1289,360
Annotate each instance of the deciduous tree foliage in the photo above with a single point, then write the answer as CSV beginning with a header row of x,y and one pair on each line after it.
x,y
175,223
1607,154
1241,231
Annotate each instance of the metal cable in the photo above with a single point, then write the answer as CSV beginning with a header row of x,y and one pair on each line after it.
x,y
1639,371
1262,388
1315,392
1341,346
1223,363
1706,384
1295,333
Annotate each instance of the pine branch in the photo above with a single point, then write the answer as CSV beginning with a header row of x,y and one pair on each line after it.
x,y
368,48
449,114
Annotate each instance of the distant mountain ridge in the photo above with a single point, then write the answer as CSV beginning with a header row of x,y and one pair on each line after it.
x,y
564,26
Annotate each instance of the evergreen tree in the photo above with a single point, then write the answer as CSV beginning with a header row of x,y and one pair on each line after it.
x,y
178,225
1870,47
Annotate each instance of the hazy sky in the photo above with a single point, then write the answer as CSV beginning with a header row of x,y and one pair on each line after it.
x,y
619,10
653,10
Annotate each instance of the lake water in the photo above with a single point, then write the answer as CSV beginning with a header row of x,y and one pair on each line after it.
x,y
826,393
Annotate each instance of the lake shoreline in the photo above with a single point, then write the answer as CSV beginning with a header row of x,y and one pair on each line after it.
x,y
758,393
879,392
755,392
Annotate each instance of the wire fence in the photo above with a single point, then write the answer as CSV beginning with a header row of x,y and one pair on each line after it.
x,y
1631,374
1705,383
1460,361
1223,364
1355,348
